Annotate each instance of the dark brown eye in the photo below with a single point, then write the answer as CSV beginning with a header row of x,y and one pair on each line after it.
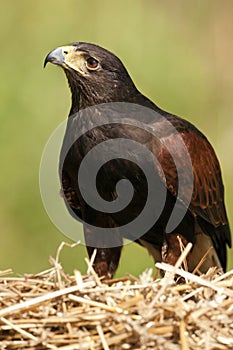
x,y
92,63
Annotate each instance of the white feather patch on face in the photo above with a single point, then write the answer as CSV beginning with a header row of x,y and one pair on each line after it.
x,y
76,61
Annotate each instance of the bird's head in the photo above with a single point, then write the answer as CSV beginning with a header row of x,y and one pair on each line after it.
x,y
95,75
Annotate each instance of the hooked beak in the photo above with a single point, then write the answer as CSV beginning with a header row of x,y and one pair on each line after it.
x,y
59,56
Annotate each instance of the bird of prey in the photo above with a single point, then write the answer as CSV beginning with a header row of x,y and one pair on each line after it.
x,y
99,84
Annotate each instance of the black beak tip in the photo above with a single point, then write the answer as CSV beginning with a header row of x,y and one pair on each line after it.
x,y
56,57
47,59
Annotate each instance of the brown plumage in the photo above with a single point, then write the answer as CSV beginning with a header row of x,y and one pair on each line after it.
x,y
96,76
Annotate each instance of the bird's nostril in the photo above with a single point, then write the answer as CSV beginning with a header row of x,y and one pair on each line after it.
x,y
65,52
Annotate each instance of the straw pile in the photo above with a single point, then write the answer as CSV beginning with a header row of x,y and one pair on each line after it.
x,y
52,310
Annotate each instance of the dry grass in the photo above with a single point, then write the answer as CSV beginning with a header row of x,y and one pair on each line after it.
x,y
52,310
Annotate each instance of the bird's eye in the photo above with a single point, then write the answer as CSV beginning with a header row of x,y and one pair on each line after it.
x,y
92,63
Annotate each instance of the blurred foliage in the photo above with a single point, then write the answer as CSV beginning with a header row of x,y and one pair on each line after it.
x,y
179,53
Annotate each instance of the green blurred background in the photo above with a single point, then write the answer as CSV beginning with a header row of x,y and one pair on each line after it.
x,y
179,54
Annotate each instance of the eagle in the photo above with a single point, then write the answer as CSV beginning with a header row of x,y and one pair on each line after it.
x,y
120,152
